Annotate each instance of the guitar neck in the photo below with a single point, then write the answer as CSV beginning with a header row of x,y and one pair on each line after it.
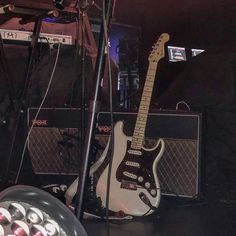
x,y
140,126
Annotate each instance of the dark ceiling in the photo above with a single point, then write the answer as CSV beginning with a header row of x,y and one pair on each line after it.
x,y
199,23
193,23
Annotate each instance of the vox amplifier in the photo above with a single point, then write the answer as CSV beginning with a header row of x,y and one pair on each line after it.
x,y
54,144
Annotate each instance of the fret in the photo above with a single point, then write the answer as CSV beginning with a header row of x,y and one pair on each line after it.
x,y
146,99
144,108
137,144
153,65
152,71
141,118
151,75
150,79
140,122
136,147
137,130
149,83
140,130
146,94
144,103
152,68
143,113
138,134
137,139
147,89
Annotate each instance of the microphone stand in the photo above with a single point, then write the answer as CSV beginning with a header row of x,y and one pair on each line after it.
x,y
92,118
23,96
20,104
82,7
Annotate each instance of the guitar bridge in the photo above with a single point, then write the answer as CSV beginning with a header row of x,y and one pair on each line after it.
x,y
128,185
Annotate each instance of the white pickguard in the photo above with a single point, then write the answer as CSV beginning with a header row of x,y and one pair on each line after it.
x,y
121,199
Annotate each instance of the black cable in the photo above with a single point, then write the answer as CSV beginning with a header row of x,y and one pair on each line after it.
x,y
111,110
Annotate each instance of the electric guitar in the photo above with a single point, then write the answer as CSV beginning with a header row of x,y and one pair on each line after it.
x,y
134,187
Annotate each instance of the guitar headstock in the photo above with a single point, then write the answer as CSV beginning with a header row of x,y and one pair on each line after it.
x,y
158,49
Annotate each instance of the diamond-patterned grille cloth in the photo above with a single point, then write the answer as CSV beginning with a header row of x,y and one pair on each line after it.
x,y
55,151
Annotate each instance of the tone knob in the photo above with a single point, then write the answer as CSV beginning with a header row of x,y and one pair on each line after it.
x,y
147,185
140,179
153,192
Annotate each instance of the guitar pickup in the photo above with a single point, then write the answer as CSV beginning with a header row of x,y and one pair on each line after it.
x,y
128,185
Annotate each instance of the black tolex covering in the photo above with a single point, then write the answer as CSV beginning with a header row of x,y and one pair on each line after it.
x,y
208,84
65,89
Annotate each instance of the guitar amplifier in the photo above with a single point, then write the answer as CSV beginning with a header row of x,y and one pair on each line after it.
x,y
54,145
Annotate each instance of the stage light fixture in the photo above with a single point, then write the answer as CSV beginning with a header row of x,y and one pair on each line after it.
x,y
29,211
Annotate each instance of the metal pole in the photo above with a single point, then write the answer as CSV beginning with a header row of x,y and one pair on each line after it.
x,y
93,110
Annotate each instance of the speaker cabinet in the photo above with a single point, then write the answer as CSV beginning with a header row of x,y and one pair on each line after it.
x,y
54,144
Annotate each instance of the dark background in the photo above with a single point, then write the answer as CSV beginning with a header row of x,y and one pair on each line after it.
x,y
206,83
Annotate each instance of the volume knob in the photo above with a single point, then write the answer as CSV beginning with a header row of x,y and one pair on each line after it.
x,y
147,185
140,179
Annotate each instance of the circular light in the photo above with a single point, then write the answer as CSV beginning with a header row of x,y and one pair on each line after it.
x,y
5,216
51,227
20,228
1,231
38,230
34,215
17,211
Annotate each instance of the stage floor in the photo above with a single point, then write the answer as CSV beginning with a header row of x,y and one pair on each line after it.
x,y
174,218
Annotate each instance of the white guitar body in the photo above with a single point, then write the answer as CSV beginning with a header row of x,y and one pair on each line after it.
x,y
123,198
